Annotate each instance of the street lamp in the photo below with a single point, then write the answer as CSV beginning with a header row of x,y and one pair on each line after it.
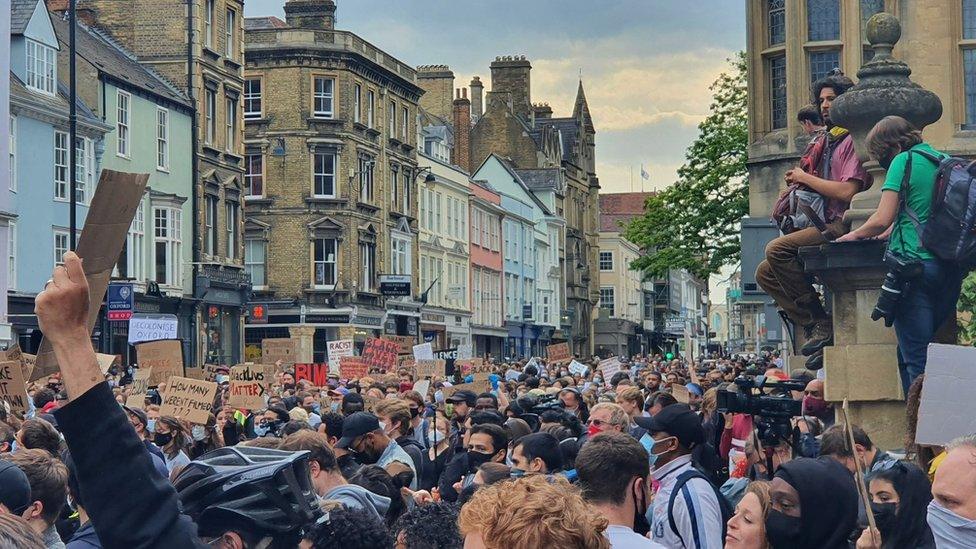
x,y
430,175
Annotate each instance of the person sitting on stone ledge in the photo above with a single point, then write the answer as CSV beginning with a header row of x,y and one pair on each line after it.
x,y
834,172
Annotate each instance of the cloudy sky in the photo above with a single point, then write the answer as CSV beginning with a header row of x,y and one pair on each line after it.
x,y
646,64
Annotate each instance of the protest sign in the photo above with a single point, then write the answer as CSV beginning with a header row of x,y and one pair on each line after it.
x,y
512,375
352,367
339,348
577,367
473,366
380,354
317,373
558,353
143,327
107,361
12,387
609,367
137,392
405,343
464,352
406,362
477,387
249,384
422,387
165,358
430,368
107,223
12,353
188,399
858,467
424,351
449,356
947,409
27,364
680,393
283,349
532,362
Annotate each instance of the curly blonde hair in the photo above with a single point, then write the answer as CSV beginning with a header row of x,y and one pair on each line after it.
x,y
531,512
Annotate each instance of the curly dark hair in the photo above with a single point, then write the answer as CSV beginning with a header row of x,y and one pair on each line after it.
x,y
349,528
431,526
375,479
837,82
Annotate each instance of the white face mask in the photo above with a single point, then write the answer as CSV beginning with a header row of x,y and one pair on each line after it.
x,y
198,433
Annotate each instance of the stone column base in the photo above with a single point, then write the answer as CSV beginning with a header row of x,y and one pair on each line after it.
x,y
304,335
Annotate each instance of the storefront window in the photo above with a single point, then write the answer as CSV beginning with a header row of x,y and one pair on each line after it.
x,y
221,324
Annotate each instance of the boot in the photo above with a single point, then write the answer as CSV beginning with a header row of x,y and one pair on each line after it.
x,y
815,362
821,335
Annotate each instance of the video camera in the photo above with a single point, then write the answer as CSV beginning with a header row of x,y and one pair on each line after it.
x,y
771,412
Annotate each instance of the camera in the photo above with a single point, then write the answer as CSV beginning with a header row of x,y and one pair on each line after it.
x,y
771,412
900,273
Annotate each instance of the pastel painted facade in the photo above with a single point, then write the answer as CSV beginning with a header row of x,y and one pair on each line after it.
x,y
621,297
488,331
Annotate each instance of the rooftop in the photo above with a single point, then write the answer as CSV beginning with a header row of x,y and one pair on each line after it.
x,y
263,23
618,209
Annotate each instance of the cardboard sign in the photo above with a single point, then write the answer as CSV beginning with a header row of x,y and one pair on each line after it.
x,y
109,217
405,343
27,364
140,384
317,373
558,353
380,354
12,386
680,393
188,399
283,349
476,387
105,362
152,328
577,367
449,356
512,375
339,348
209,372
609,367
424,351
352,367
430,368
947,409
164,358
249,384
422,387
473,366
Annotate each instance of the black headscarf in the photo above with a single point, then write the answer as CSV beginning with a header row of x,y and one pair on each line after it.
x,y
828,501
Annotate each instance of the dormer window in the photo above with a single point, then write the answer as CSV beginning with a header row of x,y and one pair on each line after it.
x,y
42,67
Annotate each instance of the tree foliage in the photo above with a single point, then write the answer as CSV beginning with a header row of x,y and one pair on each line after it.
x,y
967,310
694,223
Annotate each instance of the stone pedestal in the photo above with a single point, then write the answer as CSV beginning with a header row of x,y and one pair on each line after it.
x,y
862,365
304,335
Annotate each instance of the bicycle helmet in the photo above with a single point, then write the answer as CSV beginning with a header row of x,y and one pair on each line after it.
x,y
257,490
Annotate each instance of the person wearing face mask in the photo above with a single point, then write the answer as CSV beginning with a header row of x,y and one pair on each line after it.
x,y
899,498
487,443
952,511
311,407
613,471
419,427
171,439
538,453
365,437
814,505
814,403
271,422
206,438
394,416
440,452
140,422
688,510
747,527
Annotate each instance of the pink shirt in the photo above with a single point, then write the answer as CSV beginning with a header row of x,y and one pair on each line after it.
x,y
844,166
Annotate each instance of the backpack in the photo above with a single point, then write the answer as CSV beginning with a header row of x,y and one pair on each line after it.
x,y
679,483
799,209
950,232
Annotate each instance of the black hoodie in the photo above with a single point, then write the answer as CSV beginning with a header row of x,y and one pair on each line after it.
x,y
828,501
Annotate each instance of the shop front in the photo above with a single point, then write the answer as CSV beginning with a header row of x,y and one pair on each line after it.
x,y
222,293
516,346
150,301
488,341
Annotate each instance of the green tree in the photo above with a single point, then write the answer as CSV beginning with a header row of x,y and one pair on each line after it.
x,y
967,311
694,223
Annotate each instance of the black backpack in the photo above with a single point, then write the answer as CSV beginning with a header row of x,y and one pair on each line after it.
x,y
950,232
679,483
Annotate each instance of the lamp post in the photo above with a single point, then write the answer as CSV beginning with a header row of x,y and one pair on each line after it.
x,y
72,129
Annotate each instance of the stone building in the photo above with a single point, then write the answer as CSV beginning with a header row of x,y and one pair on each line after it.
x,y
331,183
528,134
197,45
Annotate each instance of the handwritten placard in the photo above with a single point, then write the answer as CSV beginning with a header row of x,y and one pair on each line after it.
x,y
249,384
558,353
352,367
188,399
473,366
609,367
339,348
380,354
405,343
283,349
424,351
137,391
476,387
317,373
27,364
430,368
164,358
12,388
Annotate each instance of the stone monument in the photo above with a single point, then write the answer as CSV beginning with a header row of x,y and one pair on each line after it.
x,y
862,364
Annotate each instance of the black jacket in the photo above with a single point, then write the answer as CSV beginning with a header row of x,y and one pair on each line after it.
x,y
454,472
108,455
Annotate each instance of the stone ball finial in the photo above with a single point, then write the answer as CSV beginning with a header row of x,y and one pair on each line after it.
x,y
883,28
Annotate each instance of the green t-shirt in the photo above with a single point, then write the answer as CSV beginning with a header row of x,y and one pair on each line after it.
x,y
904,238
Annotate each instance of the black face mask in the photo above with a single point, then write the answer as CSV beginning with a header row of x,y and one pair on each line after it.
x,y
414,412
162,439
641,526
782,531
885,517
477,459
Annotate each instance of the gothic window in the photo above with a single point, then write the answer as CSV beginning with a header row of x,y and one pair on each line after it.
x,y
822,62
777,91
823,20
776,21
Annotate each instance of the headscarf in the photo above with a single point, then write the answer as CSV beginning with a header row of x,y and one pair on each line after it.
x,y
828,501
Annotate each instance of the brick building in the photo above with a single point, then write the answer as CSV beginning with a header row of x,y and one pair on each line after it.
x,y
197,46
331,183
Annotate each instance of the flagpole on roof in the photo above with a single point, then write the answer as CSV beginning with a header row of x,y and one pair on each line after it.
x,y
72,130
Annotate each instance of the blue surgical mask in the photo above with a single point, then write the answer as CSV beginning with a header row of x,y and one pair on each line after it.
x,y
151,426
13,446
222,378
517,473
261,430
949,529
335,407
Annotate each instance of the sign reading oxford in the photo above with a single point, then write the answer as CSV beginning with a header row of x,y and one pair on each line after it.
x,y
395,285
120,300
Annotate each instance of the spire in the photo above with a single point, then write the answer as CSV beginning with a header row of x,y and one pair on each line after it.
x,y
582,109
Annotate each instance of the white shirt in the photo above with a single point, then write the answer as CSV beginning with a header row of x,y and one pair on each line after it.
x,y
622,537
697,493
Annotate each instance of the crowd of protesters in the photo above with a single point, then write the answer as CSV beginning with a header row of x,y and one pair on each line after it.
x,y
547,457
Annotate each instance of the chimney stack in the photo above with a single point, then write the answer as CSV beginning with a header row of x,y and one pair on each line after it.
x,y
438,84
310,14
511,74
477,99
461,155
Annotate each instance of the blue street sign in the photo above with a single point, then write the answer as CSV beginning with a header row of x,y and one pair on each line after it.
x,y
120,300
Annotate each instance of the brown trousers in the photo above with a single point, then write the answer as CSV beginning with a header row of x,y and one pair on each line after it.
x,y
782,276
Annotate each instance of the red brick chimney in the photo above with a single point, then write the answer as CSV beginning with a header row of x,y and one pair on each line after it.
x,y
461,155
